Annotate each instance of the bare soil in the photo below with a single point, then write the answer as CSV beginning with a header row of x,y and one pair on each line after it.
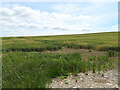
x,y
85,53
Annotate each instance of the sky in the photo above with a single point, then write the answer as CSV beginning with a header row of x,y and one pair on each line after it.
x,y
57,18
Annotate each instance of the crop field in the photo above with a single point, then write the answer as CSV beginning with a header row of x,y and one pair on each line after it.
x,y
33,61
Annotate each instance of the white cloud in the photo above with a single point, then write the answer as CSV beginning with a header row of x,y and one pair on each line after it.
x,y
22,20
6,12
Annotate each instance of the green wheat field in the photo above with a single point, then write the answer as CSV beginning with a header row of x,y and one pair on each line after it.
x,y
33,61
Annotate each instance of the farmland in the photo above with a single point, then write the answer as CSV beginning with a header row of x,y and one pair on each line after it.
x,y
33,61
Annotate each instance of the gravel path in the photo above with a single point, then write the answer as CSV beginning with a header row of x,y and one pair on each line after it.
x,y
109,80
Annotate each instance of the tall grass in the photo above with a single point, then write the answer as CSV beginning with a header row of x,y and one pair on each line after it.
x,y
108,48
34,70
78,46
25,49
26,66
27,46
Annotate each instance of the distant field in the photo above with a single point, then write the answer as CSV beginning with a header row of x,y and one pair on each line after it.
x,y
96,41
29,63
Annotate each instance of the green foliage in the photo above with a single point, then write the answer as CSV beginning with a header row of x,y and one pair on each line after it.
x,y
111,53
102,60
34,70
89,50
66,82
93,67
113,48
77,46
92,58
26,66
97,41
63,77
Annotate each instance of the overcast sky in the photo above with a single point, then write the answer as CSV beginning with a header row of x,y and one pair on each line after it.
x,y
56,18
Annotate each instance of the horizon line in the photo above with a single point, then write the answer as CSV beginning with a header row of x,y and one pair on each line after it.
x,y
59,34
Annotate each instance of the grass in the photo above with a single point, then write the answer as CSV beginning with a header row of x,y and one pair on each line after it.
x,y
98,41
26,66
35,70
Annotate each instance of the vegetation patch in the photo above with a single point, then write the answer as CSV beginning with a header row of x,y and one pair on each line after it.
x,y
26,66
35,70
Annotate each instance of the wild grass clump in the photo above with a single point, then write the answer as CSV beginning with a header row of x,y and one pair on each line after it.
x,y
103,48
34,70
89,50
77,46
92,58
117,48
32,49
100,63
111,53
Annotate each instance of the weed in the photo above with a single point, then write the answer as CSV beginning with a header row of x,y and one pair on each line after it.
x,y
111,53
63,77
36,69
92,58
23,68
66,82
89,50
